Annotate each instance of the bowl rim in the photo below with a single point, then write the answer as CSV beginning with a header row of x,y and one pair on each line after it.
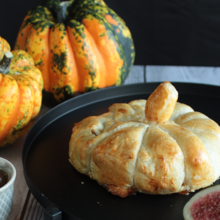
x,y
11,181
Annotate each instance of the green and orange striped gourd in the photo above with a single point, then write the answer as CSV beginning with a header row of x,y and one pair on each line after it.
x,y
79,46
21,85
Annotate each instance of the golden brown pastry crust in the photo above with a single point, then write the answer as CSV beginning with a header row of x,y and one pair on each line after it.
x,y
161,103
158,146
119,191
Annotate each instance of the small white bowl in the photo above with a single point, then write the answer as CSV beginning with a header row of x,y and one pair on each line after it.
x,y
7,191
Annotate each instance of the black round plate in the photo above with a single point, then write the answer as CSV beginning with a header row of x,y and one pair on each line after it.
x,y
53,180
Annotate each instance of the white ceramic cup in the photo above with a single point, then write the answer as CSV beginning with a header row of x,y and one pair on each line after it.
x,y
7,191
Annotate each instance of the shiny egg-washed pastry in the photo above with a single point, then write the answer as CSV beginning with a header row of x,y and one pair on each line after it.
x,y
158,146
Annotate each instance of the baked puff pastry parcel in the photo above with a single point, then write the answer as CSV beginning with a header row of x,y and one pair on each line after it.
x,y
158,146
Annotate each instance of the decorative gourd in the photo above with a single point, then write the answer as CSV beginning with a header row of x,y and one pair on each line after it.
x,y
20,94
4,46
79,46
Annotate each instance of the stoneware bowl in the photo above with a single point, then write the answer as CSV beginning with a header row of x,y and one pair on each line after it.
x,y
7,191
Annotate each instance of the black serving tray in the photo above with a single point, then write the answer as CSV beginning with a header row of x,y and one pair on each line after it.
x,y
54,181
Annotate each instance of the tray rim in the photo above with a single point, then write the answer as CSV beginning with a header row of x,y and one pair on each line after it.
x,y
57,110
80,101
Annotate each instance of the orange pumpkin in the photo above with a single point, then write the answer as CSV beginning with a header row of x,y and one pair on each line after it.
x,y
21,86
79,46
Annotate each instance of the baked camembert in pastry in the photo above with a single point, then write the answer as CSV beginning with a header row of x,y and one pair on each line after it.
x,y
158,146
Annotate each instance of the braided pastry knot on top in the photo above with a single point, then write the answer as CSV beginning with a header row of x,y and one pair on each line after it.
x,y
153,146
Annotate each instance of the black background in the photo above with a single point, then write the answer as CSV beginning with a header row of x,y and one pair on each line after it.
x,y
171,32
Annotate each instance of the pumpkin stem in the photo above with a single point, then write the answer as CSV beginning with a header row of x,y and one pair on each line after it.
x,y
5,62
61,13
